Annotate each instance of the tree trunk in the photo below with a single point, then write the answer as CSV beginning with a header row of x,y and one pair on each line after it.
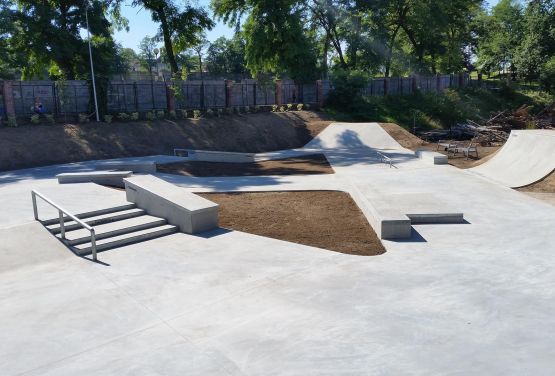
x,y
167,40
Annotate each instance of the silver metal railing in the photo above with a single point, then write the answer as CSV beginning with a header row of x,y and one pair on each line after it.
x,y
61,212
385,159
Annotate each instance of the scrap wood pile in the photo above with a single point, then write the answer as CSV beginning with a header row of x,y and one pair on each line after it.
x,y
496,129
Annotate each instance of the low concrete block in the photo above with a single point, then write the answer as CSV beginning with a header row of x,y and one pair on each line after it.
x,y
220,156
141,167
113,178
190,212
432,157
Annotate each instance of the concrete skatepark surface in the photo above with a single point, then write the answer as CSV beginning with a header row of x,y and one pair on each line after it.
x,y
470,298
527,157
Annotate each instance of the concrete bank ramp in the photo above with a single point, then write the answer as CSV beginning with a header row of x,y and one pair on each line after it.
x,y
527,157
354,136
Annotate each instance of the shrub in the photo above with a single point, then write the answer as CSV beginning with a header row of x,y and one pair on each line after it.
x,y
256,109
282,109
196,114
134,116
237,110
183,114
300,107
160,114
229,110
307,107
209,113
35,119
247,109
274,108
50,118
12,121
108,118
150,116
289,107
172,115
123,116
347,89
83,118
220,112
547,75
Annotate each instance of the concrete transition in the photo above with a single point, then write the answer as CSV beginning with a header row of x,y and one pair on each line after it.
x,y
527,157
190,212
112,178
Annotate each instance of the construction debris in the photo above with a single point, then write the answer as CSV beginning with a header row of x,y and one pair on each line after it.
x,y
496,129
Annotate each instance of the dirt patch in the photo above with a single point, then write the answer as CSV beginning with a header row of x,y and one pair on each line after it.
x,y
306,165
40,145
546,185
324,219
412,142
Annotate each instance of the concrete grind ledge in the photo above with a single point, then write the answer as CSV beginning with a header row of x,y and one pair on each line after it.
x,y
191,213
431,157
113,178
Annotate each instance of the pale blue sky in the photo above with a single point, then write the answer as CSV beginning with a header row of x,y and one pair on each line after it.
x,y
141,25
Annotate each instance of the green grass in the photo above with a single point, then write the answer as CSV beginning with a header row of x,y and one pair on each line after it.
x,y
431,110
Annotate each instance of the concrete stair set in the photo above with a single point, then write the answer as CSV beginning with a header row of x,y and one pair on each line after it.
x,y
115,227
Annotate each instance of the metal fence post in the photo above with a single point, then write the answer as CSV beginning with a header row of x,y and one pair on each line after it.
x,y
62,226
35,210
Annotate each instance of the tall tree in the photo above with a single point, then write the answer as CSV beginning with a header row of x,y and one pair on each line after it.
x,y
179,25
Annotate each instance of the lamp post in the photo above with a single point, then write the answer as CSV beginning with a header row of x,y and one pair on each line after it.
x,y
92,65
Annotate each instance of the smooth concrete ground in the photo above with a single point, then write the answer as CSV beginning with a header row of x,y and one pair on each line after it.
x,y
459,299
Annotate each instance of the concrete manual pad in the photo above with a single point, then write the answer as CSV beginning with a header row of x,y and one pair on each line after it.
x,y
432,157
112,178
527,157
423,208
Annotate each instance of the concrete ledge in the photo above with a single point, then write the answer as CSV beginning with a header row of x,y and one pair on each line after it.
x,y
191,213
220,156
147,167
432,157
114,178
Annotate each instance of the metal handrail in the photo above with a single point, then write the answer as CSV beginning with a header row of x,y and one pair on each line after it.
x,y
384,158
61,212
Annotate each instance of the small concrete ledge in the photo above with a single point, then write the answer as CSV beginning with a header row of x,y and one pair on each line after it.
x,y
431,157
147,167
113,178
191,213
220,156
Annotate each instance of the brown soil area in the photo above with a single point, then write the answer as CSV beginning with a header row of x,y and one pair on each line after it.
x,y
308,165
40,145
412,142
324,219
546,185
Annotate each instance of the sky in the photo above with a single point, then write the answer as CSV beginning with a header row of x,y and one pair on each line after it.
x,y
141,25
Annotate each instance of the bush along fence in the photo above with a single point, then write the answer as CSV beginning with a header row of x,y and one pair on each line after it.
x,y
62,98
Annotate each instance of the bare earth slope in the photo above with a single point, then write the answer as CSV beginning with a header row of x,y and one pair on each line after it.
x,y
40,145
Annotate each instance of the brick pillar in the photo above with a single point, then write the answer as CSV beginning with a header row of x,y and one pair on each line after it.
x,y
170,95
320,93
385,86
279,94
9,104
228,93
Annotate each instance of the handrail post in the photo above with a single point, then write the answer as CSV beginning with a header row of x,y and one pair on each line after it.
x,y
62,226
93,244
35,210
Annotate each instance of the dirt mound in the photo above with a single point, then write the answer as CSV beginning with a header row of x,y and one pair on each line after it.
x,y
40,145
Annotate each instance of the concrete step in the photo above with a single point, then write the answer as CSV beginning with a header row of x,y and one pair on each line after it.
x,y
112,229
98,220
94,213
125,239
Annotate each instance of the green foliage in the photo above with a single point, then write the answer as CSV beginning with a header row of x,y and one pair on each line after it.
x,y
256,109
196,114
300,107
347,88
150,116
275,108
229,110
160,114
209,113
547,75
226,56
172,115
83,118
134,116
123,116
35,119
289,106
50,118
307,107
183,114
282,109
246,109
108,119
12,122
237,110
220,112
